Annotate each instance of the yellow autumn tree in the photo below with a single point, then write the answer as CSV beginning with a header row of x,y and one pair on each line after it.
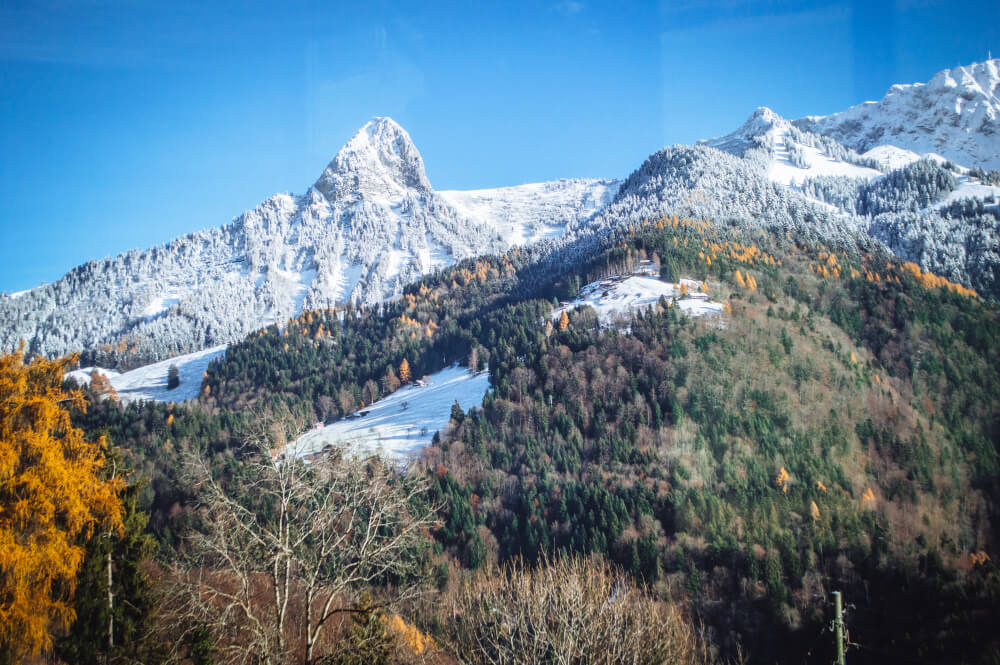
x,y
52,497
782,479
564,321
404,371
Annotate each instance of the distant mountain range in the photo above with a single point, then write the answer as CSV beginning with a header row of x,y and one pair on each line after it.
x,y
372,222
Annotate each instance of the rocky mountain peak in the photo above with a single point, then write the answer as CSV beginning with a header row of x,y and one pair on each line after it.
x,y
380,159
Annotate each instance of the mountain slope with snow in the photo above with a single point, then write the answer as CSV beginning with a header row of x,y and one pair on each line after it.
x,y
399,425
940,215
370,224
956,114
793,155
149,383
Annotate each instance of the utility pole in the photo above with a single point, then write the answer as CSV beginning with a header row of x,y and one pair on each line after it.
x,y
838,627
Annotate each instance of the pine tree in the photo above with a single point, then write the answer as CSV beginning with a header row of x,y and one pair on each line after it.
x,y
173,377
101,632
457,413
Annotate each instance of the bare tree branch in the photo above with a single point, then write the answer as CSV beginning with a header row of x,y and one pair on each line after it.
x,y
285,536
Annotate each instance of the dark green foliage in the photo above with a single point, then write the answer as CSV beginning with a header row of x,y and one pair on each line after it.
x,y
173,377
134,600
638,447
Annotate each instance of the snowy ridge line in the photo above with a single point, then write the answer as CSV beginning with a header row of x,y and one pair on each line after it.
x,y
956,114
370,225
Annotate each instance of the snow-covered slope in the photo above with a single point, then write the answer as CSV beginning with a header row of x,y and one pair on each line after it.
x,y
369,225
792,155
399,425
620,298
956,114
150,382
533,212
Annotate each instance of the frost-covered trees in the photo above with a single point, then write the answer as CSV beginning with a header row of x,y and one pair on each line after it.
x,y
909,189
962,248
699,182
368,228
830,148
840,191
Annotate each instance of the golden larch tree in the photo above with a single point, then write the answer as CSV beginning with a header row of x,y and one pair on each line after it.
x,y
404,371
564,321
52,497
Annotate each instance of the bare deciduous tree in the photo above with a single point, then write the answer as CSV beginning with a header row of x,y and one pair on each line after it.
x,y
567,612
289,541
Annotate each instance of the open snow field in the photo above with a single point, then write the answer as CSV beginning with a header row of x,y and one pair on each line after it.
x,y
620,298
405,421
970,188
150,382
525,214
784,172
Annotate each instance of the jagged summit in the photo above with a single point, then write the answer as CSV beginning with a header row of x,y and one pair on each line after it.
x,y
757,131
956,114
379,159
760,122
370,225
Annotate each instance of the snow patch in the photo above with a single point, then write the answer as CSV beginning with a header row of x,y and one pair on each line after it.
x,y
149,383
399,425
159,305
784,172
891,157
970,188
528,213
616,298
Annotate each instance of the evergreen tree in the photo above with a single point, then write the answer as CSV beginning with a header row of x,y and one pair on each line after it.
x,y
173,377
100,632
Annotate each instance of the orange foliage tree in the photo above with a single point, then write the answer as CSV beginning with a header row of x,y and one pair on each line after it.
x,y
404,371
52,497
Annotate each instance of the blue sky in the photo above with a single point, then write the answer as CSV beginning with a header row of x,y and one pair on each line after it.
x,y
124,124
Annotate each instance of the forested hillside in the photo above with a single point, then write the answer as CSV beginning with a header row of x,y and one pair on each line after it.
x,y
835,428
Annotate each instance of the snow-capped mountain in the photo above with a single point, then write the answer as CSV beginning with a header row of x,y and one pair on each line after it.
x,y
956,115
793,155
373,223
941,215
369,225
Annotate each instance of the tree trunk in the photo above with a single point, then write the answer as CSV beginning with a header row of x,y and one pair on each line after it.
x,y
309,633
111,614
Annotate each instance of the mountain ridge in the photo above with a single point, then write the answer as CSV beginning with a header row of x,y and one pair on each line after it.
x,y
956,114
372,223
369,225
